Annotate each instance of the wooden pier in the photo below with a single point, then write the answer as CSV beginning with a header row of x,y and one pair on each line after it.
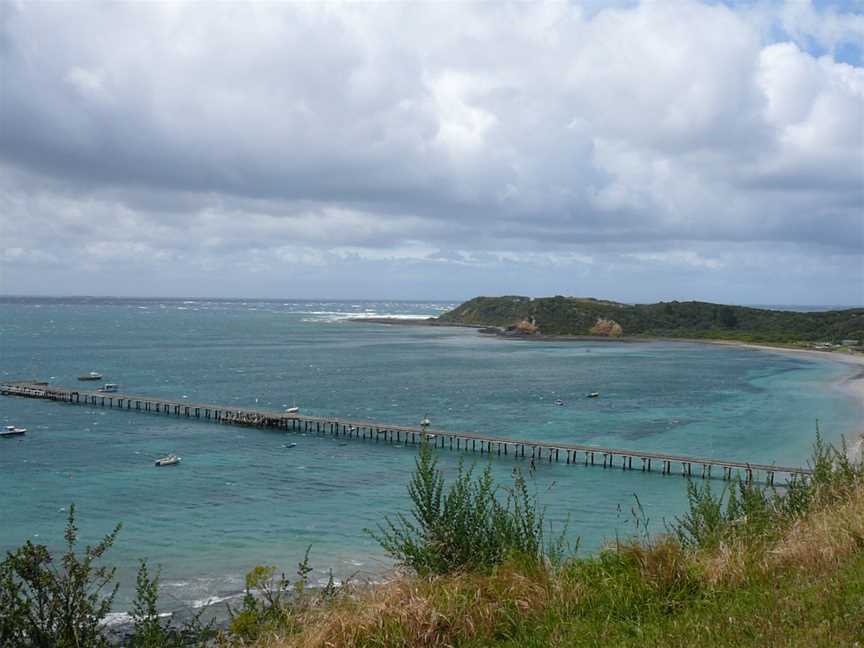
x,y
536,451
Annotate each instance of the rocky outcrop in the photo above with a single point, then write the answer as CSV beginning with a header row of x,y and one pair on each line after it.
x,y
607,328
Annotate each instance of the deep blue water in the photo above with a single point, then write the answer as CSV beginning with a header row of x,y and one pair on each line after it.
x,y
241,498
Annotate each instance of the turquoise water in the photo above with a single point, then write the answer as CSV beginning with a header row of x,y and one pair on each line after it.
x,y
241,498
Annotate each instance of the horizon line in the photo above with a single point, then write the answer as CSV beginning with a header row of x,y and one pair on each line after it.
x,y
382,299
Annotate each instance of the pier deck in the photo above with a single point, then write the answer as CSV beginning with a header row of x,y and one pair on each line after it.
x,y
461,441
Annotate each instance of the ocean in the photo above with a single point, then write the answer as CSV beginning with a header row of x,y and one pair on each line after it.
x,y
241,497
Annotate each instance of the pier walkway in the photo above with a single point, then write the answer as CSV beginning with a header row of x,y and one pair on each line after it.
x,y
535,450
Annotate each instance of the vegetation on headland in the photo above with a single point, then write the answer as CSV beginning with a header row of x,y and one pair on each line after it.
x,y
563,316
749,566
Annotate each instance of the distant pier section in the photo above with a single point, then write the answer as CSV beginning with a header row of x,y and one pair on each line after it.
x,y
536,451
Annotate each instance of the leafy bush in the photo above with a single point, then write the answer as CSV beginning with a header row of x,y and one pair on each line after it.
x,y
46,605
468,528
271,602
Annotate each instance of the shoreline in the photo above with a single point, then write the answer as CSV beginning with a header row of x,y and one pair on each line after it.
x,y
851,385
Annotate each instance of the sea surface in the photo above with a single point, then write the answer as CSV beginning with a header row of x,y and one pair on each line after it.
x,y
241,497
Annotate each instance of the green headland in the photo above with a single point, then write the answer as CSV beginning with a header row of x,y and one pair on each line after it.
x,y
575,316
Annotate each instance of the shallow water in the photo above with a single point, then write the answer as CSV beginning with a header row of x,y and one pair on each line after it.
x,y
241,498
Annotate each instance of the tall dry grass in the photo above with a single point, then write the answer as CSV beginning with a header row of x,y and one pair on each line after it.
x,y
815,541
824,537
426,612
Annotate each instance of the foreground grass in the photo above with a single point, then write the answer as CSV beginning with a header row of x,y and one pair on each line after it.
x,y
800,585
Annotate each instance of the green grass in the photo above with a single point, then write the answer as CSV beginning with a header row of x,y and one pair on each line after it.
x,y
792,609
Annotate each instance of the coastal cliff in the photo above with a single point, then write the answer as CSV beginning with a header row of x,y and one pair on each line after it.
x,y
573,316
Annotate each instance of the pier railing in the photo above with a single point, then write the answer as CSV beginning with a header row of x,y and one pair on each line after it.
x,y
533,450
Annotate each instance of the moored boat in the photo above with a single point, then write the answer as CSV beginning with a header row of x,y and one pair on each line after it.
x,y
292,410
93,375
11,431
108,388
169,460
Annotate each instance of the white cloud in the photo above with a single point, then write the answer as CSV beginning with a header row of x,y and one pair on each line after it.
x,y
459,136
678,258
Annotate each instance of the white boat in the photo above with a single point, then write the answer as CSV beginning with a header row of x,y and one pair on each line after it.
x,y
108,388
560,403
592,394
170,460
93,375
11,431
292,410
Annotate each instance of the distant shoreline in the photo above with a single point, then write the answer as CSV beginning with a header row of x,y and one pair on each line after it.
x,y
495,331
856,358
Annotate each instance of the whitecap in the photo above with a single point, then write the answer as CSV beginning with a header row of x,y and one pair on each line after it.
x,y
211,600
116,618
123,618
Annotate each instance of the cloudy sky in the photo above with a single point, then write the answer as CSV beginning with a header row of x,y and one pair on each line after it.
x,y
636,151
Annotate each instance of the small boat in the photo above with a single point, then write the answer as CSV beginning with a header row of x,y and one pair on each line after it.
x,y
290,445
11,431
592,395
170,460
292,410
560,403
93,375
108,388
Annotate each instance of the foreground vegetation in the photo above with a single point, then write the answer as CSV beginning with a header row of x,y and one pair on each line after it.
x,y
700,320
746,566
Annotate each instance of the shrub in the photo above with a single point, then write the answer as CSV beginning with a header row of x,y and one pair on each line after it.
x,y
149,631
468,528
46,605
269,602
743,509
751,511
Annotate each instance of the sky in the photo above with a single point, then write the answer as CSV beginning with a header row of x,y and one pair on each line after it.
x,y
637,151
